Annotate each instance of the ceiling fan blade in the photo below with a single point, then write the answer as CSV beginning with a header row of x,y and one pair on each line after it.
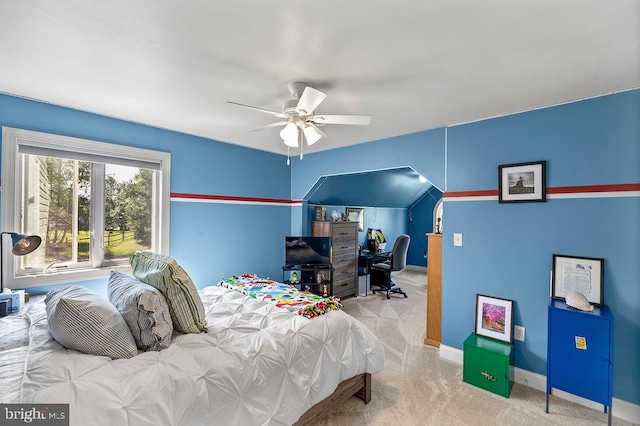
x,y
309,100
358,120
277,114
279,123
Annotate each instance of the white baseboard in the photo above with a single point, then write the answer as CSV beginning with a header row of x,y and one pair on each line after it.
x,y
451,354
620,408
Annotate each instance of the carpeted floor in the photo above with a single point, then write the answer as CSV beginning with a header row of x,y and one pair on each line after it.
x,y
417,387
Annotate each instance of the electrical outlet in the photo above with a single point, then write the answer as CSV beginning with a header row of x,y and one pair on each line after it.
x,y
518,332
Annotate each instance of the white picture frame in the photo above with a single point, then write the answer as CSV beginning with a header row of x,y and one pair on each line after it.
x,y
356,214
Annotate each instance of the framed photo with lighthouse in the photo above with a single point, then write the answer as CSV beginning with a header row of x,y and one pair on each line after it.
x,y
522,182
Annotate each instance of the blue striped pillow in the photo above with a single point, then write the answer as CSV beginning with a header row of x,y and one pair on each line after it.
x,y
82,320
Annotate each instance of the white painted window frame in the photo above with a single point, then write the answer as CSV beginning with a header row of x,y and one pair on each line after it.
x,y
12,164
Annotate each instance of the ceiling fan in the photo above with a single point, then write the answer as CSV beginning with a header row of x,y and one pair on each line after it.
x,y
299,118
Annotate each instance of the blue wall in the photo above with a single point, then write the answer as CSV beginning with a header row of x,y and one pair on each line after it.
x,y
508,248
421,223
210,240
423,151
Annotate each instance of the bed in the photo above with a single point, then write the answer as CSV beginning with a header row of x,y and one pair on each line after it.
x,y
257,364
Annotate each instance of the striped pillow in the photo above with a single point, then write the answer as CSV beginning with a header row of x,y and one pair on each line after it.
x,y
143,308
82,320
164,273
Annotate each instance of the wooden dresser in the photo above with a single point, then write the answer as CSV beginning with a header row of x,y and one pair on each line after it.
x,y
344,254
434,290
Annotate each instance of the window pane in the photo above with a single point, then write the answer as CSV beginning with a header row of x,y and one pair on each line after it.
x,y
57,206
128,210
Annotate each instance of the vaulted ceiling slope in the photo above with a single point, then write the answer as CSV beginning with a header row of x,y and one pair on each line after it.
x,y
411,65
395,188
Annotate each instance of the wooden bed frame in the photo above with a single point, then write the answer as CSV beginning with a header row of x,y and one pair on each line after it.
x,y
359,386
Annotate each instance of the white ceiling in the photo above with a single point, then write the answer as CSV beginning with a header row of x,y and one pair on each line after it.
x,y
411,65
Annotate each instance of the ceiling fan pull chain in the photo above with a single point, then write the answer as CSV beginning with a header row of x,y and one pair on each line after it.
x,y
300,142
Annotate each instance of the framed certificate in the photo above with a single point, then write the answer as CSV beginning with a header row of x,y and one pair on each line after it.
x,y
583,275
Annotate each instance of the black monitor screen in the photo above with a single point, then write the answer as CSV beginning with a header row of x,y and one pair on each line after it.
x,y
307,251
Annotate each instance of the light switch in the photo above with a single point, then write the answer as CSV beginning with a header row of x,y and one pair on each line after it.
x,y
457,240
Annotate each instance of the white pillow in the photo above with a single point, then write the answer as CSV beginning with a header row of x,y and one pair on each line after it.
x,y
143,308
82,320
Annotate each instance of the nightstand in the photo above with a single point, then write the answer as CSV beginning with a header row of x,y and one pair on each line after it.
x,y
488,364
32,300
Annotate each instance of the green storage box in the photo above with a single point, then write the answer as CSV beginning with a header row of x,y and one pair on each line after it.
x,y
488,364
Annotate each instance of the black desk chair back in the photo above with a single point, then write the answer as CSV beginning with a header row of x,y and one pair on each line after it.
x,y
397,262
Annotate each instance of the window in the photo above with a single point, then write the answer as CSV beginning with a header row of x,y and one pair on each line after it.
x,y
92,203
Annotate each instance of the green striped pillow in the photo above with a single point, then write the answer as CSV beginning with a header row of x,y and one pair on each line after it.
x,y
164,273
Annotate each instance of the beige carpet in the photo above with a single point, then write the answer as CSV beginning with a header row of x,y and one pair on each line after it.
x,y
417,387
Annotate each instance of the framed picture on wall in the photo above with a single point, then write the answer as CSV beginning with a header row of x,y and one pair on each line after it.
x,y
583,275
494,317
522,182
356,214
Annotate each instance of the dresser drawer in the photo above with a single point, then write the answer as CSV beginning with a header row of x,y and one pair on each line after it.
x,y
346,232
343,248
344,274
345,260
344,282
344,289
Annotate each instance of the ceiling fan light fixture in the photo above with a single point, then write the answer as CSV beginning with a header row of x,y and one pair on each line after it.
x,y
299,117
311,135
289,135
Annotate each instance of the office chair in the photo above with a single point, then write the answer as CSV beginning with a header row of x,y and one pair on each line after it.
x,y
397,262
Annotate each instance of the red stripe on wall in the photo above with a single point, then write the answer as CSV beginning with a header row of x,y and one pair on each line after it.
x,y
594,188
623,187
232,198
485,193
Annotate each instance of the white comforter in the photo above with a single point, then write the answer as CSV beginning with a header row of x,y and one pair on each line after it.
x,y
257,365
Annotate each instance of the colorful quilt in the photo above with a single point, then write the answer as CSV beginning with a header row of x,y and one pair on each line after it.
x,y
285,296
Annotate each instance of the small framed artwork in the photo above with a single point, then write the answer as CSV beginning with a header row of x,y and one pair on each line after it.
x,y
583,275
522,182
319,213
494,318
355,214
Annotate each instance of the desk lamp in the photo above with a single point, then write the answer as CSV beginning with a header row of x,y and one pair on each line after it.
x,y
21,245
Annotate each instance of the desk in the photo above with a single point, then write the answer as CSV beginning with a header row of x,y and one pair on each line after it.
x,y
366,259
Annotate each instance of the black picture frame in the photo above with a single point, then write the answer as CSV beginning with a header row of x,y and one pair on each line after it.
x,y
522,182
578,274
